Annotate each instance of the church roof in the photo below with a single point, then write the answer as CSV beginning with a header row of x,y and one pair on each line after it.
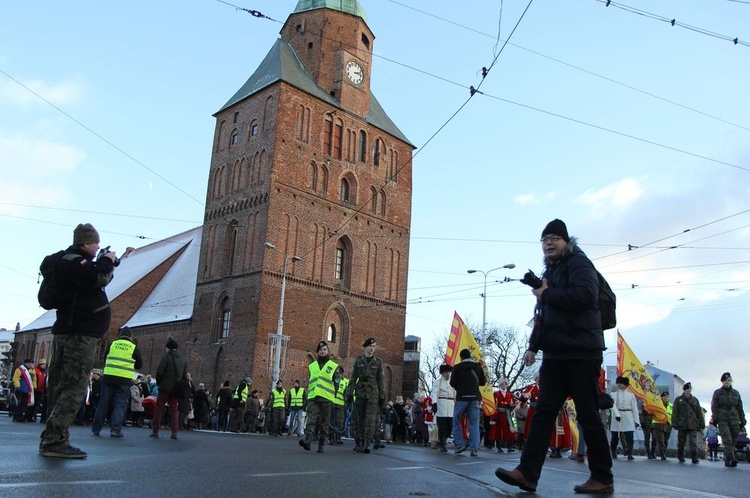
x,y
282,64
171,299
347,6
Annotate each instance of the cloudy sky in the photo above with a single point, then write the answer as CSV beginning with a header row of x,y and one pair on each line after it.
x,y
633,131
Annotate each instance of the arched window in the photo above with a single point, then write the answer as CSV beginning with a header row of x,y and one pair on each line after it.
x,y
373,200
338,134
328,135
324,179
314,177
230,247
362,146
226,319
377,153
219,136
331,333
345,190
234,137
343,263
382,203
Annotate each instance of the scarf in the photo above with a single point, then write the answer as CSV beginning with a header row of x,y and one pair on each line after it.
x,y
26,379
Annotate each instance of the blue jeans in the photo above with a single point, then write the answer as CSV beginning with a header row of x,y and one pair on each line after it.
x,y
295,421
119,395
471,410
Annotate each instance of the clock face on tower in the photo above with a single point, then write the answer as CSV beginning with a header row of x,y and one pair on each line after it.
x,y
354,72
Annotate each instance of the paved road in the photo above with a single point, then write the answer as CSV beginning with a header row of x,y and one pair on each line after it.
x,y
209,464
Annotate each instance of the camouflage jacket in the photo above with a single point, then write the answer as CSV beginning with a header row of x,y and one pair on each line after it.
x,y
687,414
726,406
367,380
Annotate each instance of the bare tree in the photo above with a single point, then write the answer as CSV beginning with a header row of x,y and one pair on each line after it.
x,y
504,356
429,363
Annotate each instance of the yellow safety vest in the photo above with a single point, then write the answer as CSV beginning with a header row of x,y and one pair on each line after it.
x,y
120,362
242,396
279,398
343,384
668,408
296,397
321,380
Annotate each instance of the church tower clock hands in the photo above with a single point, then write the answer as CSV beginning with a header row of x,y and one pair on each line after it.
x,y
354,72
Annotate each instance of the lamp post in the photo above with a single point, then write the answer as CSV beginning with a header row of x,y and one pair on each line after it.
x,y
483,338
280,324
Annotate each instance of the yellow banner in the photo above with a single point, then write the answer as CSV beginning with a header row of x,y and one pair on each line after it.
x,y
641,383
461,338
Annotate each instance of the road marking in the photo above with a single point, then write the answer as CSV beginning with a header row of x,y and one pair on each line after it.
x,y
74,483
283,474
405,468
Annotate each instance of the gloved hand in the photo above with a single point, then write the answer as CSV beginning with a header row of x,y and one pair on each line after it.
x,y
637,426
381,401
617,418
434,408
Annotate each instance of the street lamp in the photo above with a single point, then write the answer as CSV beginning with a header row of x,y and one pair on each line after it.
x,y
280,325
483,338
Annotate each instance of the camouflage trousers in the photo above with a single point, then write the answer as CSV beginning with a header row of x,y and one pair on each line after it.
x,y
689,439
367,418
318,415
729,432
69,371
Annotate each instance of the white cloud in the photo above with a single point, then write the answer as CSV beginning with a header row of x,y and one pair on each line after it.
x,y
23,95
22,157
525,199
617,195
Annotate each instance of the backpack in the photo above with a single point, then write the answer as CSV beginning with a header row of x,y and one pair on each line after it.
x,y
49,295
607,303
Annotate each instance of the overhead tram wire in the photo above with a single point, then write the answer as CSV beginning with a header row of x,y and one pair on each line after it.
x,y
577,68
674,22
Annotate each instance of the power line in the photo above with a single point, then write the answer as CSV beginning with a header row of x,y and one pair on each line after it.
x,y
572,66
673,22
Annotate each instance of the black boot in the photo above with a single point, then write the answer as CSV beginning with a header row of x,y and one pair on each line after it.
x,y
614,453
366,447
680,456
630,455
509,447
321,445
305,443
694,457
357,446
732,459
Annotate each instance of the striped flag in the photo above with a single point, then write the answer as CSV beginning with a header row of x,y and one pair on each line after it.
x,y
641,383
461,338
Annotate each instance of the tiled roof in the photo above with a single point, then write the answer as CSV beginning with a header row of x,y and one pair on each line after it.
x,y
282,64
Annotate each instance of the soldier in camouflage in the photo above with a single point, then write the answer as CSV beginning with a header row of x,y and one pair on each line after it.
x,y
729,415
367,385
82,319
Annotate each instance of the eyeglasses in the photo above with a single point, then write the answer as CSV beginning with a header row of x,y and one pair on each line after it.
x,y
550,238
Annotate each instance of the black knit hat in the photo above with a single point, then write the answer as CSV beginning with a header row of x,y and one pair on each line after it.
x,y
321,345
85,234
125,332
556,227
171,344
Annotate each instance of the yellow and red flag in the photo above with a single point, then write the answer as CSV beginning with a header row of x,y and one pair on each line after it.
x,y
641,382
461,338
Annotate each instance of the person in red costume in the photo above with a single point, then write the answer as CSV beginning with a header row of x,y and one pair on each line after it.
x,y
504,433
531,392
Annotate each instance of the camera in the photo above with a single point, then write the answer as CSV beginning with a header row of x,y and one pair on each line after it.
x,y
531,280
104,251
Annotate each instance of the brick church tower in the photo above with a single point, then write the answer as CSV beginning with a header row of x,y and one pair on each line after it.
x,y
308,175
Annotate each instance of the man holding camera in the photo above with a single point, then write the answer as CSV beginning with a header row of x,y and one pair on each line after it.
x,y
82,319
567,327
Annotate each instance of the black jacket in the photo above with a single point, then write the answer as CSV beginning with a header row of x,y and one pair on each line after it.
x,y
568,323
466,378
172,367
85,310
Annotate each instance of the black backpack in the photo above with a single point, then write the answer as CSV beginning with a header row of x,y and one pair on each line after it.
x,y
50,295
607,303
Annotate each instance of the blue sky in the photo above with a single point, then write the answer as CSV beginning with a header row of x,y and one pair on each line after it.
x,y
629,129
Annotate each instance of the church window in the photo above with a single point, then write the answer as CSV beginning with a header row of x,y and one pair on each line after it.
x,y
362,146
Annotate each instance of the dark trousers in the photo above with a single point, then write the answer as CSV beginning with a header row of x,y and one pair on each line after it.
x,y
559,379
445,426
647,437
627,442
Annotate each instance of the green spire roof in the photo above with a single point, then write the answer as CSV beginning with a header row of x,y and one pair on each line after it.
x,y
347,6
